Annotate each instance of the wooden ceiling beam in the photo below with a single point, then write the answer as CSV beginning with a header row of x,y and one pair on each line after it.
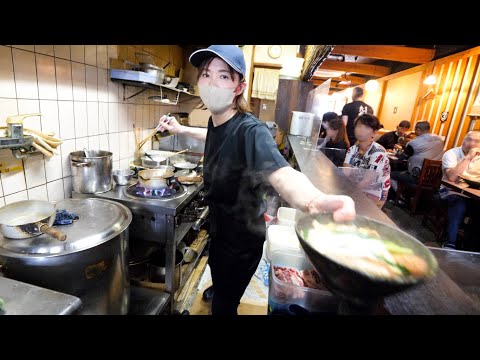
x,y
333,84
354,80
364,69
387,52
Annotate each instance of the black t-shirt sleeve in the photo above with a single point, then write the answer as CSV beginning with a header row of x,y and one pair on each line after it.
x,y
387,140
261,152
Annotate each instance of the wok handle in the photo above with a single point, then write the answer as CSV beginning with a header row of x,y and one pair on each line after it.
x,y
190,179
53,232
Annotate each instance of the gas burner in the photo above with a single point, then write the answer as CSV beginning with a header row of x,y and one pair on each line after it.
x,y
175,190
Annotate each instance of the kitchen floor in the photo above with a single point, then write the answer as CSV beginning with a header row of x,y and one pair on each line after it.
x,y
253,302
411,224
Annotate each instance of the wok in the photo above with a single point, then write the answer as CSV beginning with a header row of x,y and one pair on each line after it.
x,y
185,161
27,218
353,286
160,179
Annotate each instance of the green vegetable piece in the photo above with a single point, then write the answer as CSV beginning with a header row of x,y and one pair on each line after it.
x,y
2,304
394,248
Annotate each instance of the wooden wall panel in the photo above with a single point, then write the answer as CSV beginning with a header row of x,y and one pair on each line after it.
x,y
458,80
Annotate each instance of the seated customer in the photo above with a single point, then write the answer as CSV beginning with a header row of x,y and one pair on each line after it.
x,y
455,162
336,138
367,154
390,139
325,119
423,146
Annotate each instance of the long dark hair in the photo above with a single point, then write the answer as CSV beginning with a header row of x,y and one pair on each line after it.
x,y
337,124
241,104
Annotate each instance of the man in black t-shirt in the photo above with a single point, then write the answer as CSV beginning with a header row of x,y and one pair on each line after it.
x,y
390,139
351,110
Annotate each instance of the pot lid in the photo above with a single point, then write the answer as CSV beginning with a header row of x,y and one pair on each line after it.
x,y
99,221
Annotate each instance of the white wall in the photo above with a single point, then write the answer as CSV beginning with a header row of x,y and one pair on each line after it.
x,y
70,86
401,94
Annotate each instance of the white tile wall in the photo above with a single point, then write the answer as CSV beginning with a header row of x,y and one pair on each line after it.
x,y
44,49
81,124
91,55
62,51
25,74
102,56
47,85
38,193
63,70
49,118
78,53
70,86
30,107
7,80
19,196
55,190
67,147
7,107
91,79
66,120
35,171
78,79
92,115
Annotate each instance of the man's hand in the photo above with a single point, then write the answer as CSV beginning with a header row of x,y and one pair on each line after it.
x,y
473,153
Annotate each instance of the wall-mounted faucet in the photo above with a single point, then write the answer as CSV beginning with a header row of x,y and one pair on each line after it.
x,y
20,144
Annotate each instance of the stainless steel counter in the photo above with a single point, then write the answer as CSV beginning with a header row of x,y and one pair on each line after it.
x,y
455,289
25,299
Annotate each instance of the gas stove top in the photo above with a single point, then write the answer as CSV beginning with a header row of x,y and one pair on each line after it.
x,y
174,191
170,202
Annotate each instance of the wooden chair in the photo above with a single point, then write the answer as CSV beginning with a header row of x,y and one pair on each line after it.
x,y
428,181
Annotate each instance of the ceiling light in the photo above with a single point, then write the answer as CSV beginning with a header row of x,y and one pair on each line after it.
x,y
430,80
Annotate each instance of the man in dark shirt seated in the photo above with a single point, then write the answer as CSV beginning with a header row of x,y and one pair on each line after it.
x,y
390,139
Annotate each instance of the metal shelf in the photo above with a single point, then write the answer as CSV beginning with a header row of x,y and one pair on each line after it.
x,y
146,86
181,231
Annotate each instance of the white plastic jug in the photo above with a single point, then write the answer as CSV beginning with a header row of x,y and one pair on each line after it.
x,y
302,123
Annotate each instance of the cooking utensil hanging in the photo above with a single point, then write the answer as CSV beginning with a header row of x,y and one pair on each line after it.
x,y
28,218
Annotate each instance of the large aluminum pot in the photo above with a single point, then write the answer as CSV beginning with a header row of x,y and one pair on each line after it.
x,y
91,264
91,174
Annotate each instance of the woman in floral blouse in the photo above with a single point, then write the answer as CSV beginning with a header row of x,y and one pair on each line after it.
x,y
369,155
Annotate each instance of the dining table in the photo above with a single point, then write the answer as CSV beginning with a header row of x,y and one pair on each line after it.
x,y
463,188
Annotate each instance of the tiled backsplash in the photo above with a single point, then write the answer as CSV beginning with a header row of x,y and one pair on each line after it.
x,y
70,86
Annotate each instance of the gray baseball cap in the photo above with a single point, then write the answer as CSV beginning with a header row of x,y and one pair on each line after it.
x,y
231,54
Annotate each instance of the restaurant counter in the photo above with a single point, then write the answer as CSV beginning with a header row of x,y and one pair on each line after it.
x,y
455,289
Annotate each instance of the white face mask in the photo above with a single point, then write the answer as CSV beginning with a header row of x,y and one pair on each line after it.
x,y
216,99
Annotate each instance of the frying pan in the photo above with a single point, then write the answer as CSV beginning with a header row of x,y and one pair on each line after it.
x,y
27,218
160,179
354,286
